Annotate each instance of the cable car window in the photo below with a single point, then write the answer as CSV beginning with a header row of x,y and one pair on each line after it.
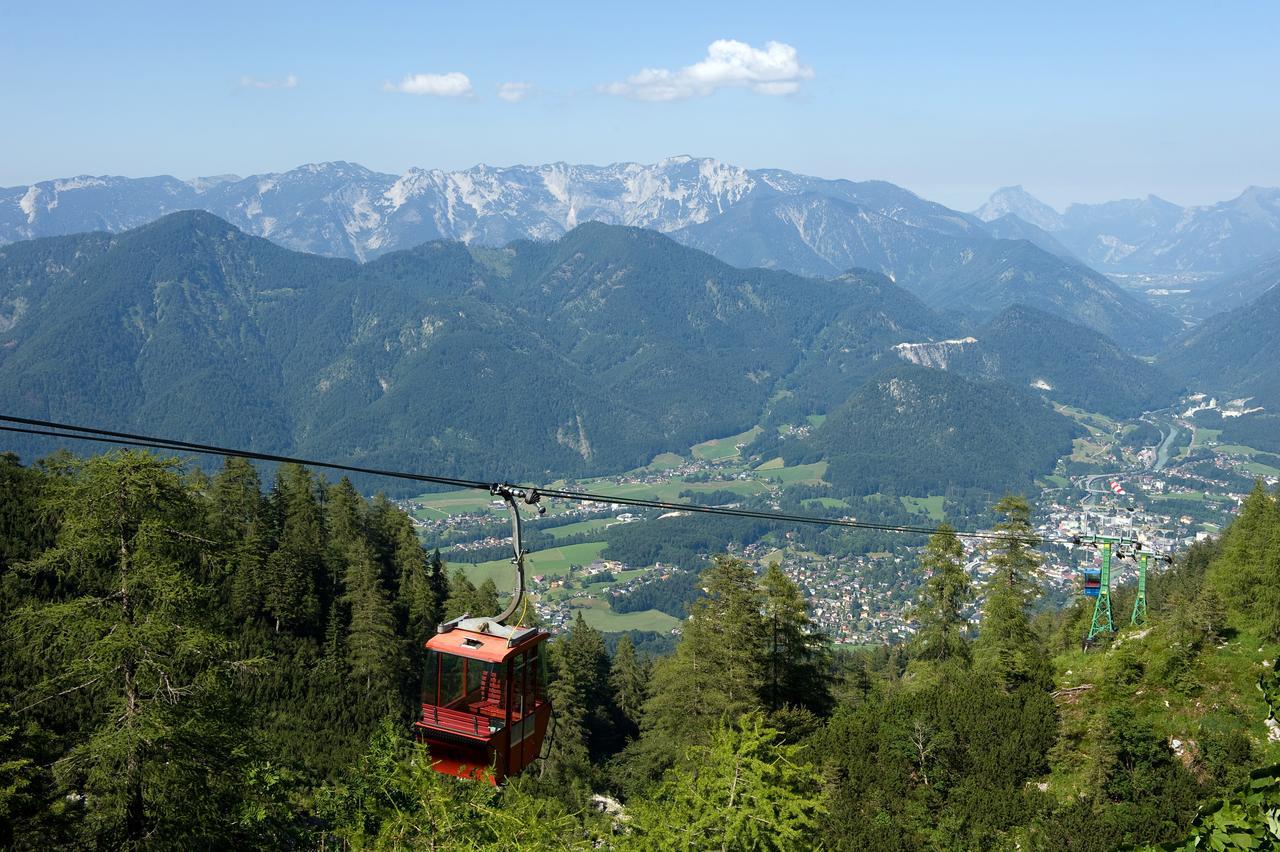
x,y
449,668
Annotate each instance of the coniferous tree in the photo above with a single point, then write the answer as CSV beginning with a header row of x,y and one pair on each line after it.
x,y
796,655
409,571
346,542
292,595
567,771
1008,649
461,599
374,652
133,634
582,660
18,773
485,601
438,581
237,520
943,597
742,790
1246,572
22,530
629,678
715,673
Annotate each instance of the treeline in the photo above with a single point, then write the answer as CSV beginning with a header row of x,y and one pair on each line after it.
x,y
194,662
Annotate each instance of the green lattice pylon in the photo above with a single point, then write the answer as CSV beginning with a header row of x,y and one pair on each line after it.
x,y
1140,602
1102,622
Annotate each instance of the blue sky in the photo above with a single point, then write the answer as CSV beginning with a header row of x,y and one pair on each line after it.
x,y
1076,101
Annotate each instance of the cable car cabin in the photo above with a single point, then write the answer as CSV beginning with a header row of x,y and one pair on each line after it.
x,y
1092,581
483,706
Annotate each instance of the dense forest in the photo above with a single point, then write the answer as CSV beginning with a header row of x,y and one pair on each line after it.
x,y
621,344
212,661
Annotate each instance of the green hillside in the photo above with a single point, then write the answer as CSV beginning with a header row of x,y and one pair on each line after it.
x,y
913,430
1233,354
595,353
1069,363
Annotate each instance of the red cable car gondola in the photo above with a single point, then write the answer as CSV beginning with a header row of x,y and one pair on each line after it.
x,y
483,707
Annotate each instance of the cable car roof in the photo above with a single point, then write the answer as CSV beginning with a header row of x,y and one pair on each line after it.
x,y
482,639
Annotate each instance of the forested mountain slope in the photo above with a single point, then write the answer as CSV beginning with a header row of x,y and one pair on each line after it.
x,y
1233,354
991,276
911,429
1066,362
767,217
593,353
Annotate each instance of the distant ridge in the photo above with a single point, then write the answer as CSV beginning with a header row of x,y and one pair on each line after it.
x,y
747,217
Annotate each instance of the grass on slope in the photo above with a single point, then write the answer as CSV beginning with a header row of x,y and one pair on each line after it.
x,y
1217,692
931,506
599,615
554,562
724,448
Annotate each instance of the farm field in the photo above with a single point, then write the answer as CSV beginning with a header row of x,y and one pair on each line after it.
x,y
598,614
932,506
724,448
554,562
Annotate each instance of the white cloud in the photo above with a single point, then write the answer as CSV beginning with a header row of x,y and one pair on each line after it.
x,y
775,70
289,82
452,85
514,92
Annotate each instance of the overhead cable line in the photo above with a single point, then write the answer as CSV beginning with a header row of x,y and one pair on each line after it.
x,y
53,429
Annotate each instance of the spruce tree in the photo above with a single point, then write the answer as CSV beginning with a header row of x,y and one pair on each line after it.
x,y
374,651
582,660
567,772
946,591
1008,649
485,602
237,520
346,541
796,654
715,672
629,679
461,599
292,595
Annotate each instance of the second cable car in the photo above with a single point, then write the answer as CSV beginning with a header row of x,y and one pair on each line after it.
x,y
1092,581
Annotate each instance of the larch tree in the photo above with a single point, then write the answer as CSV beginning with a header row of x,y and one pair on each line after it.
x,y
133,633
741,790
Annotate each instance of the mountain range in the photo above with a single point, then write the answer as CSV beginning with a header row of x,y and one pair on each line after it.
x,y
1151,235
763,217
588,354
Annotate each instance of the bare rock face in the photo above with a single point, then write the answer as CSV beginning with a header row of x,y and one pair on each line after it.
x,y
934,354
